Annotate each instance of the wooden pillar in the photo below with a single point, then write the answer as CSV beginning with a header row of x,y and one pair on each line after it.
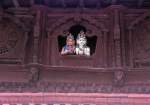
x,y
119,74
117,40
105,60
123,37
36,35
130,49
54,60
39,32
43,48
99,53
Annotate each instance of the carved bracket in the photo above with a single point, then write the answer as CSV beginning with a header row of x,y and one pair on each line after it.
x,y
119,78
33,75
138,20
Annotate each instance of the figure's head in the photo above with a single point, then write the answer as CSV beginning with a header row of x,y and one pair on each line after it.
x,y
82,41
70,40
81,34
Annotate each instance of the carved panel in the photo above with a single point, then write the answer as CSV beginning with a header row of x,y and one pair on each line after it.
x,y
141,36
12,42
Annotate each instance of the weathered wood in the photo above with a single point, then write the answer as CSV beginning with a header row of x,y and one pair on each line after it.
x,y
122,36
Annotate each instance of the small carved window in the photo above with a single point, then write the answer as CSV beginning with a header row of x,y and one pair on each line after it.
x,y
76,42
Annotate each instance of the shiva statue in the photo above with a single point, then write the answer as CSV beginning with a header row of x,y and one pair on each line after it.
x,y
81,47
69,48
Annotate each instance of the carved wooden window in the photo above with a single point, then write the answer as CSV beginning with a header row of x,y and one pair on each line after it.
x,y
95,40
75,30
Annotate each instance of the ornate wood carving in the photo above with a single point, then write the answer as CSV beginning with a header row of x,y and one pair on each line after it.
x,y
141,41
119,78
10,41
137,30
65,22
119,40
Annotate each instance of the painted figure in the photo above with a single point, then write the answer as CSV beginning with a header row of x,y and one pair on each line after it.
x,y
81,47
69,48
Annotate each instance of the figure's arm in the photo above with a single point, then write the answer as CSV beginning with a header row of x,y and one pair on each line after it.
x,y
87,51
63,51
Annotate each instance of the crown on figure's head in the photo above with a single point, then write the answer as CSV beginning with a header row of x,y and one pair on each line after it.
x,y
70,36
81,35
82,31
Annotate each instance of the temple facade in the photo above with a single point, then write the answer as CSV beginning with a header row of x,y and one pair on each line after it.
x,y
111,67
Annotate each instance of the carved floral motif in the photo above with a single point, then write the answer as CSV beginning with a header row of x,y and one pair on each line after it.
x,y
141,43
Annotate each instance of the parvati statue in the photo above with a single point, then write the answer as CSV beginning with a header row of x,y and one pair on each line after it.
x,y
69,48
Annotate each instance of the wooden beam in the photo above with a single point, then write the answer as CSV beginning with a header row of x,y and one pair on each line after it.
x,y
16,3
113,2
140,3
